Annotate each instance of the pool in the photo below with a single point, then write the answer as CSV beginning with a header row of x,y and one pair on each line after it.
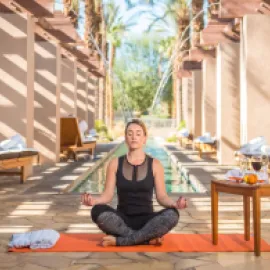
x,y
94,182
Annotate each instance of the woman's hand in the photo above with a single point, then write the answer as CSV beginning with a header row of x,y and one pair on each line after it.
x,y
181,203
87,199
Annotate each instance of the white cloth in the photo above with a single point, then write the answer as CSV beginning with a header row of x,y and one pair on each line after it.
x,y
83,128
93,132
233,173
254,146
239,174
14,142
206,138
35,239
182,133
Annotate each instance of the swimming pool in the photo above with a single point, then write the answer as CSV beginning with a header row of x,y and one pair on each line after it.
x,y
94,182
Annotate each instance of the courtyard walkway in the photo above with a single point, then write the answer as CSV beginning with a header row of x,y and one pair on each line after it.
x,y
39,204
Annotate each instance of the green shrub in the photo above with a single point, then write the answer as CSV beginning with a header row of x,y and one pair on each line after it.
x,y
172,139
181,125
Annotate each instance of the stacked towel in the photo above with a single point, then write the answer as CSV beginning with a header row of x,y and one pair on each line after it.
x,y
206,138
183,133
83,128
254,146
35,239
14,142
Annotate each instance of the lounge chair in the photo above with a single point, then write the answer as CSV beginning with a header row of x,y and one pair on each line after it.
x,y
205,145
185,138
71,140
17,158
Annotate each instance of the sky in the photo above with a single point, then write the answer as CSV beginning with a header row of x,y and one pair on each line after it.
x,y
142,21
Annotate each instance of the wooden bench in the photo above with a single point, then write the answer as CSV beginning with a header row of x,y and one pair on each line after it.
x,y
17,159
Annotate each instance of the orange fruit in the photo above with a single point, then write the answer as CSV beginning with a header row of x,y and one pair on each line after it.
x,y
251,179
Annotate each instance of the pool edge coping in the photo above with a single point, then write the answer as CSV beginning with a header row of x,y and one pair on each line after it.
x,y
81,177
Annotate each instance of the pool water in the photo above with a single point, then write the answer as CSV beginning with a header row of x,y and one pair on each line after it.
x,y
94,183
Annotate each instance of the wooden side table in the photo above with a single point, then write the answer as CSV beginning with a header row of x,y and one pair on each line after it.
x,y
247,191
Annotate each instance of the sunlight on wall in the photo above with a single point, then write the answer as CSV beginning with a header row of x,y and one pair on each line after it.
x,y
5,102
67,100
15,84
8,130
68,86
47,75
45,93
12,30
43,52
17,60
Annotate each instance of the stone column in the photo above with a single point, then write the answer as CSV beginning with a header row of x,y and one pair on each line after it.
x,y
228,101
255,77
209,106
47,100
187,101
81,94
101,99
68,87
178,102
91,102
196,128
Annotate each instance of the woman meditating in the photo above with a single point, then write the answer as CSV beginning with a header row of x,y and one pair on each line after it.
x,y
135,176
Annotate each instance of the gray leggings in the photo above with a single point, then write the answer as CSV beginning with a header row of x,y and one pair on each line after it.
x,y
134,230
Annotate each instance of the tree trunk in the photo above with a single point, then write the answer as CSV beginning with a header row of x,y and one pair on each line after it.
x,y
214,8
198,23
110,90
89,24
67,5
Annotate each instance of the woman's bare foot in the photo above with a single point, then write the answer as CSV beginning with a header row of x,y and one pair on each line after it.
x,y
156,241
108,241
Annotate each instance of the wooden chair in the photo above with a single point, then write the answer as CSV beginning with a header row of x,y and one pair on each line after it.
x,y
70,138
186,141
208,149
17,159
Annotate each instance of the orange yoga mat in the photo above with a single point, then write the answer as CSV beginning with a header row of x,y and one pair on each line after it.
x,y
172,243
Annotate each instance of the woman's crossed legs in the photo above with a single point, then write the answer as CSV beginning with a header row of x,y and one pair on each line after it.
x,y
114,223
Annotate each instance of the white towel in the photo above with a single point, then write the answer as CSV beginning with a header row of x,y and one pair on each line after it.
x,y
35,239
183,133
93,133
83,128
14,142
206,138
254,146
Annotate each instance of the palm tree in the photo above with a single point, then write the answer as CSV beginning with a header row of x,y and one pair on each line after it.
x,y
214,8
90,18
175,19
115,29
198,23
71,9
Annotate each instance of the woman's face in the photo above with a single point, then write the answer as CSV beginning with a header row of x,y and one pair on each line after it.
x,y
135,137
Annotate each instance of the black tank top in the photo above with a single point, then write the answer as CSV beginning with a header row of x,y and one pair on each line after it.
x,y
135,186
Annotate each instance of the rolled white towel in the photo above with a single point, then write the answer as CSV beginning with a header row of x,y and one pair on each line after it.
x,y
35,239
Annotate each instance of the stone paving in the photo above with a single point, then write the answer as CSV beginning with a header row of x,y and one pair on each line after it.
x,y
39,204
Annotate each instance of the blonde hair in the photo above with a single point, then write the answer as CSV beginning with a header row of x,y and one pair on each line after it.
x,y
137,122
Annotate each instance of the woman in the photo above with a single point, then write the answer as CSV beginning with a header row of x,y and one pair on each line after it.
x,y
135,175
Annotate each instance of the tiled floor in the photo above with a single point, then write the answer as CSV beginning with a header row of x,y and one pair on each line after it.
x,y
38,204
